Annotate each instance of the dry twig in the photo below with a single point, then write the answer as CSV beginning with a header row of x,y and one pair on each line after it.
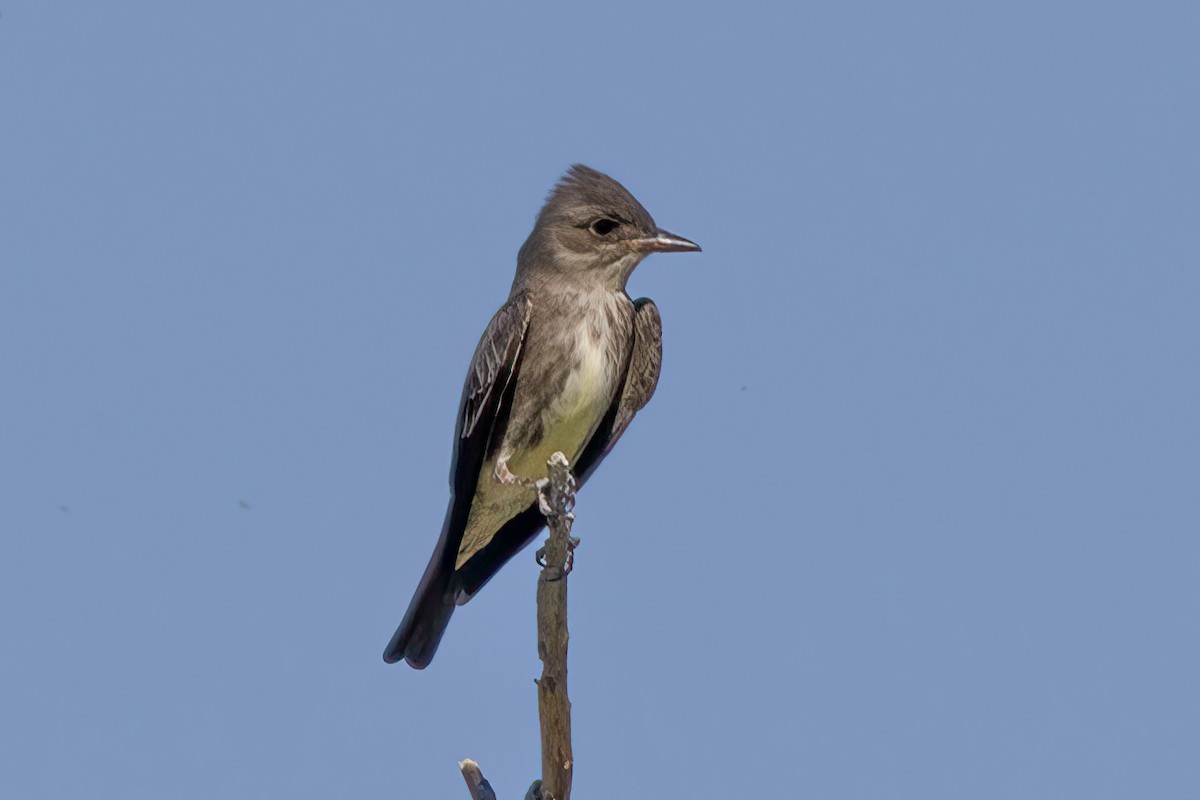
x,y
480,788
556,498
554,707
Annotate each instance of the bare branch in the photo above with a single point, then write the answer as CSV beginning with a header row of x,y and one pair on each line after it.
x,y
557,498
480,788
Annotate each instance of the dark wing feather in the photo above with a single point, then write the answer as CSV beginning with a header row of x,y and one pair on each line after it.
x,y
641,379
483,412
493,369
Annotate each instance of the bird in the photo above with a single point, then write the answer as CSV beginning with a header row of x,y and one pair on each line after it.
x,y
563,366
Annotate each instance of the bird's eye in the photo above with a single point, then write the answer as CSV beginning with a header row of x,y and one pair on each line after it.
x,y
604,226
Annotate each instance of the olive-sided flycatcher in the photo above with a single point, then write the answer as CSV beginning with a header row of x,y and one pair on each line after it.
x,y
562,367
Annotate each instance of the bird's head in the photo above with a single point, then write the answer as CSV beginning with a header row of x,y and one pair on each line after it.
x,y
594,231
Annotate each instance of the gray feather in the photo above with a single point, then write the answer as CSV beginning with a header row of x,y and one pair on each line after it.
x,y
494,358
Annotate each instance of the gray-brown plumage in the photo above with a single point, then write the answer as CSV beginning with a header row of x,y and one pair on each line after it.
x,y
564,365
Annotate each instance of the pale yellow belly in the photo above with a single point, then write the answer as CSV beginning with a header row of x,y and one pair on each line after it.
x,y
567,435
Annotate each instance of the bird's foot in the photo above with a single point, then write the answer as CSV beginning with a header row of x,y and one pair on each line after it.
x,y
545,504
572,542
556,492
556,499
505,476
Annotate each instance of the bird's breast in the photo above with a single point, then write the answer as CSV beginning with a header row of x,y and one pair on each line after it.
x,y
588,384
571,416
578,390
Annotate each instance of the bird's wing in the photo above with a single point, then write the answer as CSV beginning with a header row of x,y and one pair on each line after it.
x,y
641,379
482,415
493,369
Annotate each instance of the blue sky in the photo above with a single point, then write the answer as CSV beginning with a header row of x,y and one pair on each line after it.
x,y
913,514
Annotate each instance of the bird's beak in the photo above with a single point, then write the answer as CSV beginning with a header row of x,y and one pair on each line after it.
x,y
664,242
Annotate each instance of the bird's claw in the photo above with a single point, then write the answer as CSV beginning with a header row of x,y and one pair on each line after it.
x,y
542,486
556,499
505,476
572,542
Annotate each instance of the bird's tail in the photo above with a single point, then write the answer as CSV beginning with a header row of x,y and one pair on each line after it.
x,y
420,632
